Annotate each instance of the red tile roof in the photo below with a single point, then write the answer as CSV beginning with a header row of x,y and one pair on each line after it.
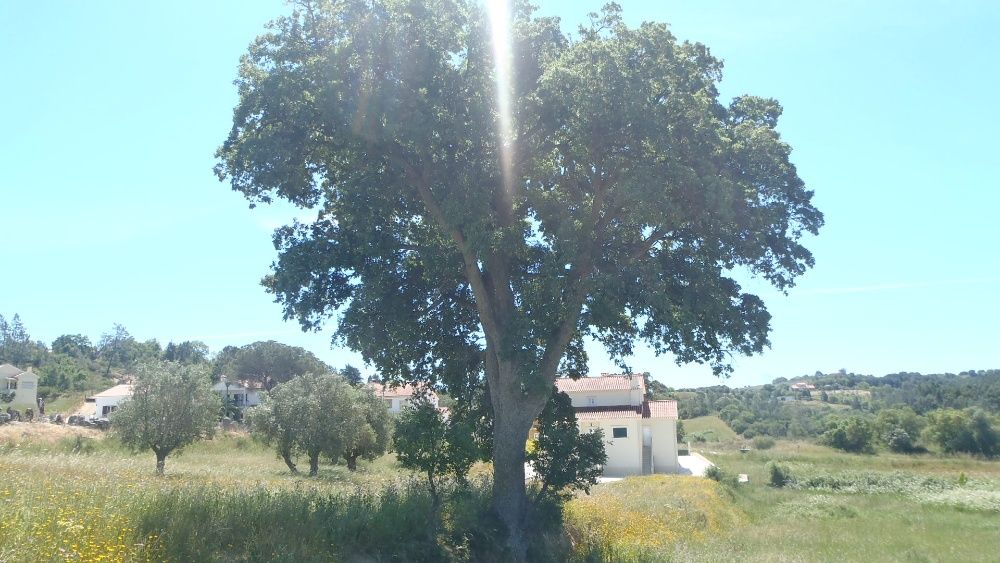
x,y
648,409
603,382
396,390
659,409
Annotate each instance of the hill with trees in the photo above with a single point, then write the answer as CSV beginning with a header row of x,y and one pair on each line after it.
x,y
903,412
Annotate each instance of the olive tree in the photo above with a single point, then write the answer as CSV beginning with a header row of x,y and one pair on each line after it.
x,y
171,406
372,433
502,199
321,416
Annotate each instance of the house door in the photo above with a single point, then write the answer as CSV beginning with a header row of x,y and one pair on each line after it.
x,y
647,436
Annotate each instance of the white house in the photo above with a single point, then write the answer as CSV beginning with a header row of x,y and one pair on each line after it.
x,y
108,400
398,396
240,393
23,383
640,436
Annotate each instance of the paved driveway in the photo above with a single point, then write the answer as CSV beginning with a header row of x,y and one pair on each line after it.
x,y
694,464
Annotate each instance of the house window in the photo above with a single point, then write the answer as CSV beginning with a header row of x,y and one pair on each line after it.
x,y
619,432
591,401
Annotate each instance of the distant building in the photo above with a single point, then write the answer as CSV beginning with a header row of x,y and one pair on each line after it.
x,y
640,436
108,400
243,394
398,396
23,383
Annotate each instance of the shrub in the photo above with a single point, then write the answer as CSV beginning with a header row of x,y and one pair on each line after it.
x,y
967,431
777,475
899,441
852,434
763,443
718,474
564,459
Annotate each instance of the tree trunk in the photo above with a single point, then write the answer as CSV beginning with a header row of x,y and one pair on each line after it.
x,y
287,456
161,459
435,499
511,424
352,462
313,463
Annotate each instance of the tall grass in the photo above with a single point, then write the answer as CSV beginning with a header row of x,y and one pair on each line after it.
x,y
646,518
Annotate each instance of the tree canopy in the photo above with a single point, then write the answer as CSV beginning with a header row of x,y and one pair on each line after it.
x,y
322,415
172,405
269,363
501,199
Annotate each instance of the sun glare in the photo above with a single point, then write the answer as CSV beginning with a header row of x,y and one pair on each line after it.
x,y
499,13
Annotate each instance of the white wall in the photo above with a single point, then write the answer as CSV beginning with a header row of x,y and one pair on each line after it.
x,y
110,402
625,454
26,394
601,398
664,445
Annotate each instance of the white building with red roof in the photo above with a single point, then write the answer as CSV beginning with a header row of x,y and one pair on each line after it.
x,y
640,435
398,396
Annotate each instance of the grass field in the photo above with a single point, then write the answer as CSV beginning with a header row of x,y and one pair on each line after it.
x,y
72,495
712,428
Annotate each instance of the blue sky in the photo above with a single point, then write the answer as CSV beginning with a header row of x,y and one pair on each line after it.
x,y
109,211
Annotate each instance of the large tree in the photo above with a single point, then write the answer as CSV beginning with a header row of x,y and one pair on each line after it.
x,y
269,363
484,204
74,345
117,348
172,405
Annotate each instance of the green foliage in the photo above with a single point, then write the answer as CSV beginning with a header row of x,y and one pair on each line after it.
x,y
16,346
187,352
763,443
897,421
436,446
498,253
372,433
777,474
269,363
75,346
352,375
320,415
720,475
171,406
117,348
564,459
852,434
899,441
63,372
969,431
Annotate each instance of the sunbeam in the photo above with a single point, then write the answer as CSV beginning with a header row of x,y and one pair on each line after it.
x,y
499,13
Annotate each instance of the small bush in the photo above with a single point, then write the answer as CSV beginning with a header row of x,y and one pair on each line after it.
x,y
777,475
716,473
853,434
763,443
899,441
